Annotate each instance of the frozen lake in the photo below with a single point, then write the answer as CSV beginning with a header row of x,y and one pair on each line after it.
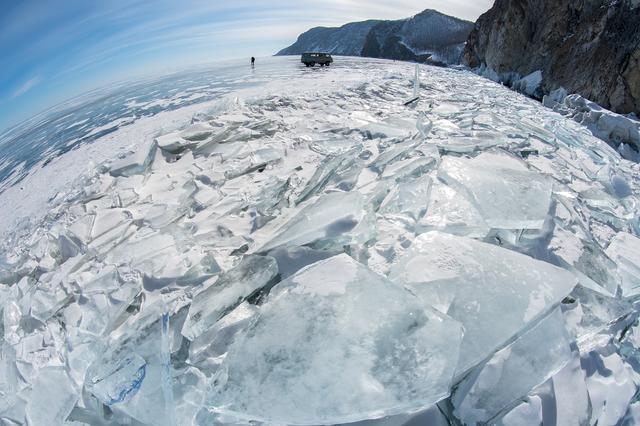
x,y
301,246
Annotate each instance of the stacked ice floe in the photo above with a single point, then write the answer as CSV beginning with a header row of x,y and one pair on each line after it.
x,y
331,258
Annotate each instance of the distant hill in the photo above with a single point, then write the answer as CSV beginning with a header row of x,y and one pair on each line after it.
x,y
429,36
346,40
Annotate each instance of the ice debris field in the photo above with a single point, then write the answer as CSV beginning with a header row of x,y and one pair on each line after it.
x,y
323,254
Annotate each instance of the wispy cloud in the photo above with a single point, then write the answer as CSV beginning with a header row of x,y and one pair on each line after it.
x,y
26,86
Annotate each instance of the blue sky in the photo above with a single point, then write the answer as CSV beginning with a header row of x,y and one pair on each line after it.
x,y
51,50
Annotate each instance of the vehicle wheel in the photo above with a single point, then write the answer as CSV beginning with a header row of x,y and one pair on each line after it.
x,y
328,63
322,65
306,64
312,64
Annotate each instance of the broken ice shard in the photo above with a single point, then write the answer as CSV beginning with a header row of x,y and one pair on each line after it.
x,y
507,195
469,143
231,288
411,168
492,291
625,251
393,153
292,259
590,312
450,212
197,132
333,220
116,380
326,170
8,376
586,258
167,378
512,372
410,198
344,344
215,342
51,399
135,163
173,143
257,160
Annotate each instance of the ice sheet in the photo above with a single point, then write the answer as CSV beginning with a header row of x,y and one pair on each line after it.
x,y
308,166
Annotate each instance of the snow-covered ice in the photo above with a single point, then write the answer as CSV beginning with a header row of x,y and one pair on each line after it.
x,y
303,248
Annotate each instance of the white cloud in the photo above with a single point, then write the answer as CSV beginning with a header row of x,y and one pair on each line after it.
x,y
26,86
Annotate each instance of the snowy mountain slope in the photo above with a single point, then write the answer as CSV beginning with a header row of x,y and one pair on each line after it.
x,y
310,251
427,34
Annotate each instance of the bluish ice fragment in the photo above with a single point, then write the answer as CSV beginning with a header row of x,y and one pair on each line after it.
x,y
167,377
117,380
410,198
393,153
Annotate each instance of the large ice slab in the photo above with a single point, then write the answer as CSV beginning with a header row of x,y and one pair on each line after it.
x,y
508,196
325,171
495,293
343,344
393,153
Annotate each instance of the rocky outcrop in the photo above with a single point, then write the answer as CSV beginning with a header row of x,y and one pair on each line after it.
x,y
588,47
429,36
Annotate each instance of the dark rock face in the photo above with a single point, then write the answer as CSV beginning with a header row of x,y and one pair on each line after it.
x,y
429,36
589,47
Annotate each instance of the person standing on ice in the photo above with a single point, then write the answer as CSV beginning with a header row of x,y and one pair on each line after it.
x,y
253,61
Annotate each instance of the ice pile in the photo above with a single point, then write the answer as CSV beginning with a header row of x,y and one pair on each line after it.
x,y
336,257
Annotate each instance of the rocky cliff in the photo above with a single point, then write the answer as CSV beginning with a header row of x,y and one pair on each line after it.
x,y
429,36
589,47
